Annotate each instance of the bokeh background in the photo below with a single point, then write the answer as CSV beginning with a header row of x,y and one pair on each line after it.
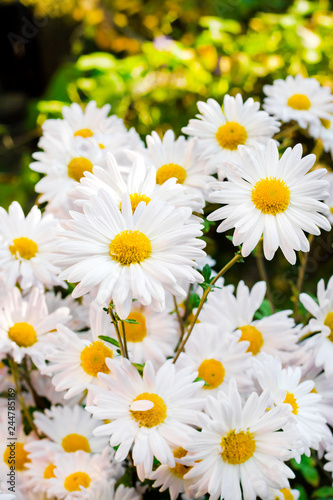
x,y
152,61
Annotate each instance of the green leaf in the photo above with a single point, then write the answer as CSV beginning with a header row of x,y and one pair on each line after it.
x,y
131,321
194,301
109,339
207,224
326,492
264,310
307,467
206,273
139,367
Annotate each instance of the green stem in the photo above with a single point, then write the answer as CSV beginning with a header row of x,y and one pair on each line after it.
x,y
233,261
124,338
115,322
287,130
180,319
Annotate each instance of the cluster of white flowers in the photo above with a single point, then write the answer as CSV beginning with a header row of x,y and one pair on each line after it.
x,y
129,377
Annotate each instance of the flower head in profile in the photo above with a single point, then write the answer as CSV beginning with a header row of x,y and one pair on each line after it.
x,y
27,248
221,131
300,99
130,256
272,198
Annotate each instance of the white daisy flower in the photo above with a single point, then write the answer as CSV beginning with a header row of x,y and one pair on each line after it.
x,y
40,470
78,310
140,185
220,132
285,386
240,447
78,475
283,494
323,130
300,99
276,334
124,493
27,248
69,429
217,359
76,359
178,158
321,324
43,386
329,457
130,256
151,413
153,337
25,323
329,200
271,197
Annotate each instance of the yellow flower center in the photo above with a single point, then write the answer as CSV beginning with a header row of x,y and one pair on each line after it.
x,y
25,247
291,400
238,447
252,335
135,200
23,334
75,442
77,166
84,132
101,145
170,170
49,471
271,196
329,322
75,480
286,494
212,372
93,358
136,333
17,458
155,416
231,135
325,123
179,470
331,210
299,101
130,247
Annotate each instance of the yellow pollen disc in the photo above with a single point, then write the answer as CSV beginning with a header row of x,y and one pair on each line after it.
x,y
136,198
331,210
325,123
75,480
25,247
93,358
231,135
84,132
299,101
179,470
49,471
75,442
101,145
212,372
286,494
23,334
155,416
18,459
169,170
329,322
291,400
252,335
238,447
136,333
77,166
130,247
271,196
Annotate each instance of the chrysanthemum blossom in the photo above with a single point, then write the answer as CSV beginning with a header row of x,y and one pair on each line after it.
x,y
151,413
240,447
323,130
27,246
221,131
25,323
179,159
300,99
130,256
274,198
140,184
321,324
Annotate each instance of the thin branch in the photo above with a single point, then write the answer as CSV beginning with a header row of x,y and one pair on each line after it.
x,y
180,319
115,322
124,338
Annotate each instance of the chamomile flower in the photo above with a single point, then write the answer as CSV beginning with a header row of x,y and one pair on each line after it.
x,y
40,469
78,475
178,158
285,386
220,132
329,199
300,99
240,446
79,311
274,198
323,130
322,322
69,429
130,256
329,457
75,360
283,494
140,184
151,413
217,359
27,248
25,323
